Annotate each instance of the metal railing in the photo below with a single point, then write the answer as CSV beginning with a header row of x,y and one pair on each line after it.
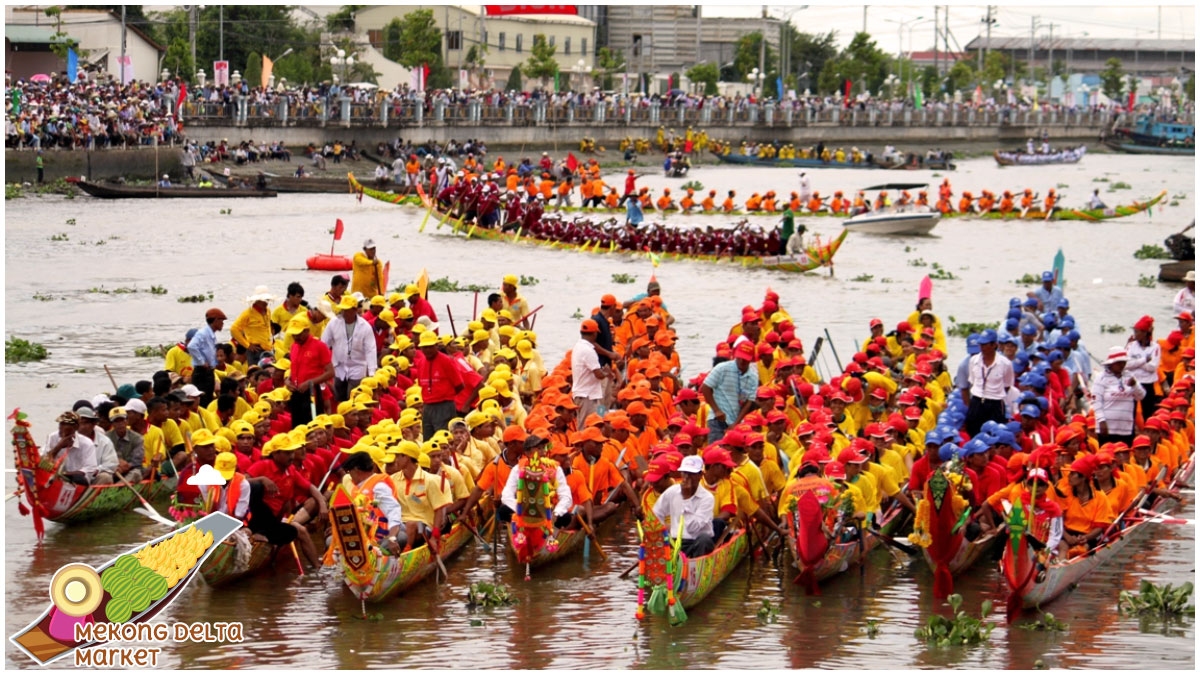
x,y
342,111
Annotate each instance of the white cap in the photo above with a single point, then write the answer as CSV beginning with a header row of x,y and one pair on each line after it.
x,y
99,400
190,390
370,243
136,405
692,464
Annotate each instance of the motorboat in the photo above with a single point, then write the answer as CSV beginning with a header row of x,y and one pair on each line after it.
x,y
909,219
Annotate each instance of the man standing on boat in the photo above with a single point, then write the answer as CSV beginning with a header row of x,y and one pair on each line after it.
x,y
203,350
990,376
351,343
587,375
1144,357
367,277
311,366
687,510
1115,399
805,188
1185,300
729,391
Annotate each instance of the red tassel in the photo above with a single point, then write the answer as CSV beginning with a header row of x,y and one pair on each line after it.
x,y
1012,607
22,508
808,579
38,526
943,582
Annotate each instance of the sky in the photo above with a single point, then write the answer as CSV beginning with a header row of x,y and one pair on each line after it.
x,y
1096,19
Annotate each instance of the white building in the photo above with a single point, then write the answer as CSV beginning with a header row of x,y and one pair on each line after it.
x,y
508,40
98,32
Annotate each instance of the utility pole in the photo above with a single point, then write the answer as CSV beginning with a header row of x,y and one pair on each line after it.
x,y
864,19
191,36
122,44
937,34
1032,37
1050,61
221,32
986,45
762,49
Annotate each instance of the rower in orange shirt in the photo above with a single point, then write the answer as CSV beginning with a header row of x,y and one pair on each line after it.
x,y
965,204
944,189
598,186
1006,204
512,180
815,202
768,202
882,200
943,205
1027,200
838,204
727,206
665,203
688,202
795,202
612,200
923,198
546,187
860,204
1051,200
1086,511
644,198
585,191
905,198
498,165
986,202
754,203
708,204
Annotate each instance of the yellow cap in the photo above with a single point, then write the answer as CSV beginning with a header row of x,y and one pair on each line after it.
x,y
226,464
480,336
223,444
486,392
428,339
203,437
345,407
402,363
476,418
277,442
242,426
378,300
296,326
411,290
404,314
408,449
505,314
506,331
296,439
419,329
489,314
394,297
227,434
337,421
387,360
474,325
510,279
525,349
507,354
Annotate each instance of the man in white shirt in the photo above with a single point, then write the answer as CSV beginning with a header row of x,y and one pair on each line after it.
x,y
1185,299
688,507
79,465
1144,355
351,345
805,188
1116,394
587,374
990,376
106,453
508,496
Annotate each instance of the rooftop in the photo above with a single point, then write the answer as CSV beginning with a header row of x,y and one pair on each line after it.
x,y
1086,43
36,35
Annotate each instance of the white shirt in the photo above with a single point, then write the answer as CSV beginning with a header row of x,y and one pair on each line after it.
x,y
1185,301
1143,361
1114,401
80,457
694,514
805,188
508,496
387,503
106,452
584,362
353,358
990,383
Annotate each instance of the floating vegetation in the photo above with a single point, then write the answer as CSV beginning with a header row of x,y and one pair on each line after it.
x,y
961,630
863,277
693,185
1046,622
199,297
1166,600
1029,279
13,191
966,328
149,351
1119,185
484,594
17,350
917,262
578,314
43,297
60,237
941,273
447,285
1147,281
622,278
1152,252
1112,328
527,281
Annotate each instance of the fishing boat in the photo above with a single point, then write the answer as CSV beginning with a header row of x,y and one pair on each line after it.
x,y
1023,158
54,498
404,196
908,219
1143,149
115,191
236,558
817,255
1151,136
369,573
125,590
798,163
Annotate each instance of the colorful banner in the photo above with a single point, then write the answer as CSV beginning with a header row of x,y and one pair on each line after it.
x,y
919,98
267,66
507,10
220,73
125,68
72,65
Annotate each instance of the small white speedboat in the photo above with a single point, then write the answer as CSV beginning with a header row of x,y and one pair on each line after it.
x,y
905,220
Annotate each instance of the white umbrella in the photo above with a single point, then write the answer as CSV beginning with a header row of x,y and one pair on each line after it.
x,y
363,85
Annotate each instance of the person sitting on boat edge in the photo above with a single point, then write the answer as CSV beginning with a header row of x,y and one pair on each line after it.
x,y
422,502
687,510
79,463
285,489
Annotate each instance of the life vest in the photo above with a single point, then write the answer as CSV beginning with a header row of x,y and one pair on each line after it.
x,y
233,491
379,522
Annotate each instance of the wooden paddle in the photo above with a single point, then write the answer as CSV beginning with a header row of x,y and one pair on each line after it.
x,y
111,378
911,550
592,535
145,509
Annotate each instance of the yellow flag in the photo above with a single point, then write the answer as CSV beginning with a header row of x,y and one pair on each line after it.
x,y
267,65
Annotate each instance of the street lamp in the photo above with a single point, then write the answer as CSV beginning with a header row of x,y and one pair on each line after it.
x,y
164,75
756,79
341,61
900,39
201,77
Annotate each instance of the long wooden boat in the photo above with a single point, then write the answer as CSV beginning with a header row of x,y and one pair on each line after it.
x,y
669,576
53,498
699,576
236,558
1028,589
370,574
969,553
818,559
51,636
283,183
113,191
798,163
566,543
1022,158
1142,149
1072,214
404,196
818,255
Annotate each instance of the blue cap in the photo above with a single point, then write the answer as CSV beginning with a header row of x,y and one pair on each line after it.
x,y
1013,426
1050,319
1043,403
1014,313
1012,323
1006,339
1037,381
1007,437
1028,329
1020,365
1031,302
975,446
1027,397
1073,335
948,451
190,334
1056,355
1063,342
933,436
1067,322
1030,411
989,426
973,344
1036,354
1047,276
987,438
1014,302
1064,304
987,337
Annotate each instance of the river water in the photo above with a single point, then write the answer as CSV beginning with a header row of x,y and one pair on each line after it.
x,y
578,613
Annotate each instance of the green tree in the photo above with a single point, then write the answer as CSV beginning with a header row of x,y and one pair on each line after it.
x,y
178,59
929,81
1131,85
1059,69
252,75
608,62
392,33
541,64
745,55
343,19
961,75
995,67
705,73
420,40
861,62
1111,78
815,50
1189,87
514,80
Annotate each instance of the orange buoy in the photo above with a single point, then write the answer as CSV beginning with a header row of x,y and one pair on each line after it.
x,y
330,263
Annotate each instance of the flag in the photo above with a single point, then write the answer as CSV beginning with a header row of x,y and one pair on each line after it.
x,y
919,98
267,65
125,64
72,65
847,97
1132,98
1035,101
16,101
180,99
221,73
779,88
572,163
338,230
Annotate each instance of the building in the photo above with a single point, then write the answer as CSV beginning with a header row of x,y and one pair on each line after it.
x,y
509,40
28,33
661,39
1143,57
943,59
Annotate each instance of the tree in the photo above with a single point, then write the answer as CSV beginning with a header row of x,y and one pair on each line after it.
x,y
391,39
608,62
929,80
252,75
1111,78
861,62
343,19
1059,69
814,50
541,64
514,80
995,67
1189,87
961,75
475,61
420,40
706,74
745,55
178,59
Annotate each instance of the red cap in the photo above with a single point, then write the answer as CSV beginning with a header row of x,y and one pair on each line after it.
x,y
804,429
754,437
876,322
662,465
851,455
876,429
835,471
879,392
682,439
776,416
853,368
1141,441
817,453
745,351
716,455
1186,316
1144,323
1084,465
686,394
912,412
608,300
734,439
903,327
765,349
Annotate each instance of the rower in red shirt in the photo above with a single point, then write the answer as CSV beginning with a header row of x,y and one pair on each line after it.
x,y
441,381
282,487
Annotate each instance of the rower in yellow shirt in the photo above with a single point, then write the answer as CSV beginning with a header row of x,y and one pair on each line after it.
x,y
252,328
178,360
368,272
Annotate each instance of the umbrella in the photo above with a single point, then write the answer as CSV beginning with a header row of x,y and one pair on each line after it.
x,y
363,85
40,77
